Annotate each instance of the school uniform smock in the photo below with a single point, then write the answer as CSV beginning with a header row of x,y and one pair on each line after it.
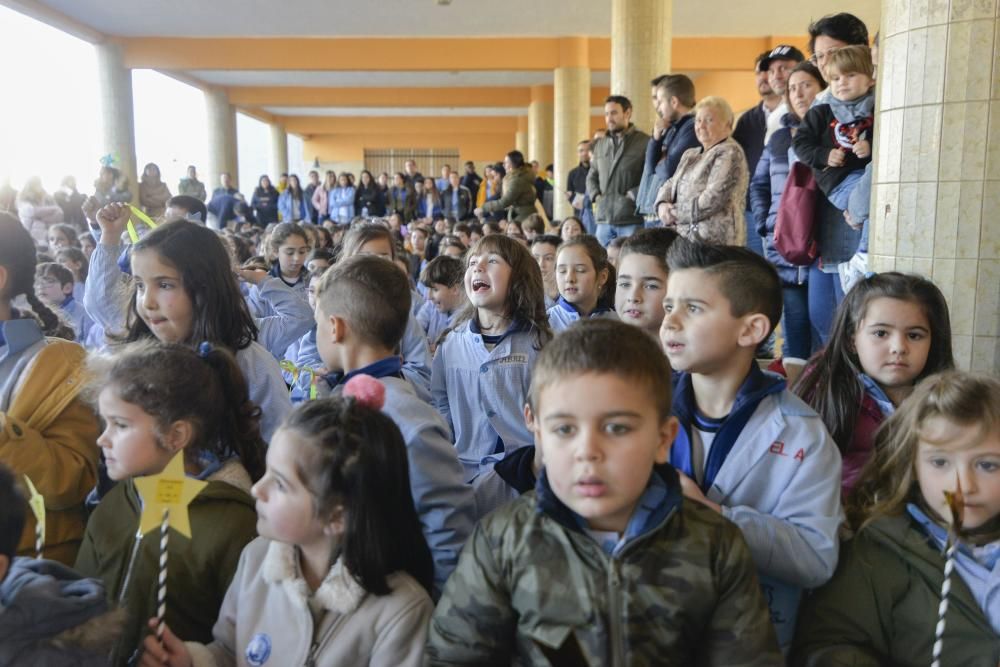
x,y
480,392
266,618
87,333
564,314
444,502
223,521
434,322
106,300
775,471
281,311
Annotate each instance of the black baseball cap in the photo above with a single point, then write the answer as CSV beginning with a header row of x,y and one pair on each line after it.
x,y
780,52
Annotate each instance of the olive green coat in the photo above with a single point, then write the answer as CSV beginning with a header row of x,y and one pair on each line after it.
x,y
518,195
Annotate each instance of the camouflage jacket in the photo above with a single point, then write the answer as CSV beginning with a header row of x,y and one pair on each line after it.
x,y
532,588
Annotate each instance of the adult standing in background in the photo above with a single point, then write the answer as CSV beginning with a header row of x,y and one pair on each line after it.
x,y
471,179
293,205
456,200
222,205
517,191
576,181
191,186
779,64
369,198
37,210
264,202
71,202
341,200
321,196
310,190
411,174
615,172
153,192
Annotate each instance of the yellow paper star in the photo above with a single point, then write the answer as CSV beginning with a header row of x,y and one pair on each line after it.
x,y
171,489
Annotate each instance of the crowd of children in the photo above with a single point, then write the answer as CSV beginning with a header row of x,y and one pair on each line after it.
x,y
427,441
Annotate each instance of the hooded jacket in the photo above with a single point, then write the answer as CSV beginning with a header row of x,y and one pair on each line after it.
x,y
881,606
223,521
47,432
51,616
517,195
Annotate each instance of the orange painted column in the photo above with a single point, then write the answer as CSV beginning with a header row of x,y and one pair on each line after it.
x,y
571,115
117,114
540,126
640,51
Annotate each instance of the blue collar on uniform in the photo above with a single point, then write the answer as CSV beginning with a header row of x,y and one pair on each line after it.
x,y
19,334
518,325
67,301
570,308
754,389
388,367
874,389
661,497
276,272
987,558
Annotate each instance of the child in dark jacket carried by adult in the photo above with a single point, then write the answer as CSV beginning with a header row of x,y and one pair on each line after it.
x,y
835,139
605,562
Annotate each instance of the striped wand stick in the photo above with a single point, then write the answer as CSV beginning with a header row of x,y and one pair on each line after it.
x,y
955,502
161,592
39,540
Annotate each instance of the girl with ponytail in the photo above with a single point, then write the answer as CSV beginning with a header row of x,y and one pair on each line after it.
x,y
46,432
159,400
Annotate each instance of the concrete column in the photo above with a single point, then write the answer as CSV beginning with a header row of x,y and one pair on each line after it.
x,y
279,151
936,180
222,151
640,51
521,136
540,126
117,112
572,115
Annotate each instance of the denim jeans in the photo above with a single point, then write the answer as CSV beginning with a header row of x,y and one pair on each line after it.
x,y
754,241
795,323
825,295
606,232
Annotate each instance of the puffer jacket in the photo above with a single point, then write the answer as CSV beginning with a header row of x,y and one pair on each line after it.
x,y
532,588
708,192
517,195
766,188
881,606
614,177
662,158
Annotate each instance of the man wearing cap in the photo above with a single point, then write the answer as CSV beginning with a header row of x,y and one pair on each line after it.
x,y
780,63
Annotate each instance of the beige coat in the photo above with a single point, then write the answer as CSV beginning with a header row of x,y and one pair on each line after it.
x,y
708,192
266,614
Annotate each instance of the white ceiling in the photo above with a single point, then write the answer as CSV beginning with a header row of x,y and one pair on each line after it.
x,y
315,79
463,18
405,111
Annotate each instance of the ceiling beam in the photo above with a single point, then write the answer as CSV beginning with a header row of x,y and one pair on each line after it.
x,y
310,125
289,96
56,19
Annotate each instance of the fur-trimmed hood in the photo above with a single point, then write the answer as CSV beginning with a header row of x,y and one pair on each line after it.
x,y
339,592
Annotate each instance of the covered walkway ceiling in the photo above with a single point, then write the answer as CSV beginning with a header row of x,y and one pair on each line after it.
x,y
303,61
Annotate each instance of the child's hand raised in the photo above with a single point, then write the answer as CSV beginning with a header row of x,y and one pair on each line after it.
x,y
691,490
252,276
836,158
112,220
173,652
863,148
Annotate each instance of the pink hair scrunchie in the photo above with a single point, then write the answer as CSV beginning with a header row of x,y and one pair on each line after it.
x,y
366,390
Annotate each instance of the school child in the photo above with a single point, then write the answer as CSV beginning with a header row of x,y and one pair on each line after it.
x,y
361,313
881,607
835,139
184,291
54,286
76,261
891,330
158,400
584,569
444,279
319,259
586,283
287,249
309,365
544,249
340,574
62,235
483,367
375,239
642,278
748,448
49,615
46,431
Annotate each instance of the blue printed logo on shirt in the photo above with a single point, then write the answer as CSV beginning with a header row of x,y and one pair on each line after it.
x,y
258,650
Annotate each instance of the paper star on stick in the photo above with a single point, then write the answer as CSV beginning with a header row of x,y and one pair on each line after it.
x,y
170,490
37,504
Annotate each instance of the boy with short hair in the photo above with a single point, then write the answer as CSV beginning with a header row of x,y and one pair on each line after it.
x,y
835,138
444,279
49,615
584,570
614,249
642,278
54,285
748,448
362,308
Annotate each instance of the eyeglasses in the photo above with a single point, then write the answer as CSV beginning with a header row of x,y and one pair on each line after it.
x,y
820,57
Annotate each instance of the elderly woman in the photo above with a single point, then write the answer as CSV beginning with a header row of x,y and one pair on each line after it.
x,y
705,198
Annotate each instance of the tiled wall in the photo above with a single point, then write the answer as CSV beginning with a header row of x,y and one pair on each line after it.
x,y
937,176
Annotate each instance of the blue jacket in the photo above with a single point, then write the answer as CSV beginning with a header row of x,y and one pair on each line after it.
x,y
292,210
662,158
780,483
481,393
564,314
444,502
341,203
766,188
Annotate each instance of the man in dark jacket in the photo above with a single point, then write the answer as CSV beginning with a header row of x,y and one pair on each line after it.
x,y
615,172
456,200
577,180
471,179
673,134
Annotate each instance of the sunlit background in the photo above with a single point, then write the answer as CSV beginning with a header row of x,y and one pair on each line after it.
x,y
50,117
